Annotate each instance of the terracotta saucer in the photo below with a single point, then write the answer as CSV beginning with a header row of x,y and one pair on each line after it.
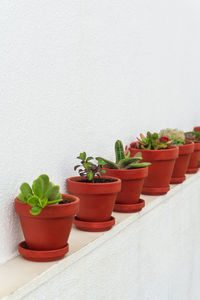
x,y
176,180
41,256
94,226
129,208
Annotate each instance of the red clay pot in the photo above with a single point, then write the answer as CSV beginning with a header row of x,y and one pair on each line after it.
x,y
46,234
96,203
160,171
128,200
194,159
182,162
197,128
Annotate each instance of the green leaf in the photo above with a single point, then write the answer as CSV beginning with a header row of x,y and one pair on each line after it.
x,y
38,187
51,194
111,164
44,202
22,198
35,210
101,162
82,156
33,200
137,165
89,158
138,155
125,162
26,190
55,201
45,179
103,171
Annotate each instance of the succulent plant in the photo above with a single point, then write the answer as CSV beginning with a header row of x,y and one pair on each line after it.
x,y
193,136
42,193
88,169
123,159
176,135
152,141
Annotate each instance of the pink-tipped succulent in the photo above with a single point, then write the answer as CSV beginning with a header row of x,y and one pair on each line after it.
x,y
152,141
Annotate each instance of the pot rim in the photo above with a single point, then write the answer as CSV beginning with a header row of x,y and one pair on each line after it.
x,y
75,181
172,148
69,196
129,174
50,211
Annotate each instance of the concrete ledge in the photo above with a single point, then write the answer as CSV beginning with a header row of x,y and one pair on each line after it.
x,y
153,254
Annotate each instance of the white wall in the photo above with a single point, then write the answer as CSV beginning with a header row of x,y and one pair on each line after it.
x,y
76,75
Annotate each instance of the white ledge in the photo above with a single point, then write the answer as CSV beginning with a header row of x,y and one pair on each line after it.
x,y
19,277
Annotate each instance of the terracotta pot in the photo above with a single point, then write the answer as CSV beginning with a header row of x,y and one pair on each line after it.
x,y
47,232
182,162
160,171
96,203
197,128
194,159
128,200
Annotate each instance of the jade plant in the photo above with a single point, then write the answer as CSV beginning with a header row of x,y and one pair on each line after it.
x,y
88,169
152,141
123,159
42,193
176,135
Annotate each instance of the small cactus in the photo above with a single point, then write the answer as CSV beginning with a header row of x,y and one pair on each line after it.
x,y
42,193
123,160
119,151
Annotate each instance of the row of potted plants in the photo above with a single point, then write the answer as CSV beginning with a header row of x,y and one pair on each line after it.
x,y
148,166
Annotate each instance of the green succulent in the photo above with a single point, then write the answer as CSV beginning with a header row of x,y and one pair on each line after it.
x,y
123,159
42,193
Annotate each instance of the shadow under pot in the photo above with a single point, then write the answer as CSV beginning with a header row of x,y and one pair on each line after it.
x,y
96,202
46,234
160,171
128,200
182,162
194,159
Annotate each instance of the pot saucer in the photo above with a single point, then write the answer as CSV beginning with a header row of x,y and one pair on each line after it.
x,y
129,208
176,180
43,255
94,226
192,170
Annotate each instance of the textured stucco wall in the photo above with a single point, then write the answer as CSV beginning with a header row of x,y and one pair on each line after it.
x,y
76,75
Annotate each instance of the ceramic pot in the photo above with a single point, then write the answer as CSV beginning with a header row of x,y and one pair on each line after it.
x,y
96,202
128,200
182,162
194,159
46,235
161,168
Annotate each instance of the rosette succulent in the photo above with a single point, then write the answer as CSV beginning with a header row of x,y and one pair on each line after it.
x,y
42,193
152,141
176,135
